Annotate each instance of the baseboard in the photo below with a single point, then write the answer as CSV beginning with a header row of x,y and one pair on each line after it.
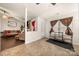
x,y
28,42
75,43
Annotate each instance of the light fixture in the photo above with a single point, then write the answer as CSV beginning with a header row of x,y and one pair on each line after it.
x,y
5,14
50,3
53,4
6,17
37,3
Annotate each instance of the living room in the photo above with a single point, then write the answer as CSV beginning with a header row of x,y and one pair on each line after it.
x,y
11,29
43,23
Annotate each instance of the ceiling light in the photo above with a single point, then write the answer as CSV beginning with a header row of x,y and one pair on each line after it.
x,y
53,4
37,3
5,17
5,14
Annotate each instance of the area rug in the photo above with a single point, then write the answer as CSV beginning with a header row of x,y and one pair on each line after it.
x,y
61,44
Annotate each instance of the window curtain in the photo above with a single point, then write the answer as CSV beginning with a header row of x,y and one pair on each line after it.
x,y
52,25
67,22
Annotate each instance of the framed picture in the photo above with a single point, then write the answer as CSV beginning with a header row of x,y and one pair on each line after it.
x,y
32,25
12,23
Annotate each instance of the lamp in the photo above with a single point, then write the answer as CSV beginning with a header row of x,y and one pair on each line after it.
x,y
5,16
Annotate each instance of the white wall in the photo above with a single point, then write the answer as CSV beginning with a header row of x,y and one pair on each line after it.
x,y
76,29
36,35
62,27
44,25
4,25
74,25
0,24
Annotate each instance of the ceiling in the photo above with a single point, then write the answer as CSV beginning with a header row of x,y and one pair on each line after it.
x,y
44,10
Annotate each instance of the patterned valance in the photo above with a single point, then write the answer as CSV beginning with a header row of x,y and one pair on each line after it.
x,y
67,22
53,22
68,31
52,25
